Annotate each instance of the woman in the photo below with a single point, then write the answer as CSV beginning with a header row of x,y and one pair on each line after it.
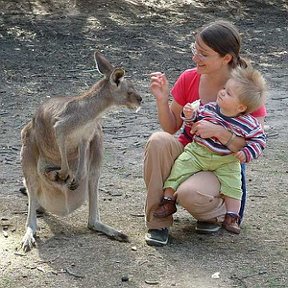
x,y
215,53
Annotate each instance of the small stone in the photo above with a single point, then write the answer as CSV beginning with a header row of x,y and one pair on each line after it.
x,y
125,278
216,275
23,190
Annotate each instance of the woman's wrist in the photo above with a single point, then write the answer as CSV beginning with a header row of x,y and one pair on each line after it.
x,y
231,139
163,101
225,136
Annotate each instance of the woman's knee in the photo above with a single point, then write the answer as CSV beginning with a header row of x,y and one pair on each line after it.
x,y
158,139
163,143
204,182
199,195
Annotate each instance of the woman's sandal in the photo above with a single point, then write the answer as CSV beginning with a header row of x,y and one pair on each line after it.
x,y
167,207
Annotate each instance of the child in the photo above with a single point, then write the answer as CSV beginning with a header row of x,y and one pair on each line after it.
x,y
243,93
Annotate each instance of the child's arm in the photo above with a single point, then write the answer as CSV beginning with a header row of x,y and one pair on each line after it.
x,y
255,144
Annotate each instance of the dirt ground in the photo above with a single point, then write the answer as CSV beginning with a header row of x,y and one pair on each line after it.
x,y
47,50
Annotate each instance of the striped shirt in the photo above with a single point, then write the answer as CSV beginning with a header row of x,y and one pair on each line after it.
x,y
245,126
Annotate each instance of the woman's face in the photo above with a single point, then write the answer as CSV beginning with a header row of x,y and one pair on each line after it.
x,y
207,60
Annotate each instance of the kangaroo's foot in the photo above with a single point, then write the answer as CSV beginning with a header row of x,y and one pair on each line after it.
x,y
109,231
28,241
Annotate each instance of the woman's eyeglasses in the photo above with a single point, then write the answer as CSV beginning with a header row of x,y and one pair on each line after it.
x,y
195,53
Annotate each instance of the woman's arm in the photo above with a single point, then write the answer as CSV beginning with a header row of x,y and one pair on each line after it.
x,y
169,116
206,129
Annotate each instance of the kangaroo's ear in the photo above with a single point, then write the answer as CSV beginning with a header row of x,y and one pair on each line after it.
x,y
117,75
102,64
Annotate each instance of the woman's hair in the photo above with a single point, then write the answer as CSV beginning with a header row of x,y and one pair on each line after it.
x,y
251,87
224,38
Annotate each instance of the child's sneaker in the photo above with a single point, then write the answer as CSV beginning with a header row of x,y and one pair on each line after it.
x,y
167,207
231,223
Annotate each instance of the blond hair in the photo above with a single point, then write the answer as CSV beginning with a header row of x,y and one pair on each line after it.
x,y
251,87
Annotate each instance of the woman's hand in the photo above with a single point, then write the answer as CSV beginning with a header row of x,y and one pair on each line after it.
x,y
159,87
240,155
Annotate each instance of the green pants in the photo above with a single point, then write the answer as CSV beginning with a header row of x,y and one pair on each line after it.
x,y
197,158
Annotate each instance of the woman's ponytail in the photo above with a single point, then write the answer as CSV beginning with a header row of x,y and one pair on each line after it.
x,y
242,62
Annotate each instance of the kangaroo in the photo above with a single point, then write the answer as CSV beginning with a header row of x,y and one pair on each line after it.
x,y
62,150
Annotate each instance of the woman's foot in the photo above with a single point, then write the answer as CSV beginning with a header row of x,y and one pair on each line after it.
x,y
231,223
167,207
207,227
157,237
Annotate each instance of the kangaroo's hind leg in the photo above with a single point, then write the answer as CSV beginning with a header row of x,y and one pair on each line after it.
x,y
94,222
28,241
29,155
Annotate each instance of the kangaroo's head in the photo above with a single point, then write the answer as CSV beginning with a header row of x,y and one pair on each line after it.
x,y
121,89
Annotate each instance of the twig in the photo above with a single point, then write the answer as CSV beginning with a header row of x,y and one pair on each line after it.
x,y
143,262
271,135
5,267
281,98
125,136
19,212
48,261
137,215
240,280
20,254
74,274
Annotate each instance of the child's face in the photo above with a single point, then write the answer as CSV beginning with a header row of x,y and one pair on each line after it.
x,y
228,99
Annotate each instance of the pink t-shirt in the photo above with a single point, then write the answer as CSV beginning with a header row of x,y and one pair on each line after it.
x,y
186,90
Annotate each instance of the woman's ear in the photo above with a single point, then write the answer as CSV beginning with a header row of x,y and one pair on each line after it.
x,y
227,58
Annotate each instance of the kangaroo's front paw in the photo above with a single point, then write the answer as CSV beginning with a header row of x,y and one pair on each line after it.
x,y
72,184
28,241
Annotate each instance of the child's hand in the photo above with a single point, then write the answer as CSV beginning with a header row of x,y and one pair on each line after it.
x,y
190,108
240,155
